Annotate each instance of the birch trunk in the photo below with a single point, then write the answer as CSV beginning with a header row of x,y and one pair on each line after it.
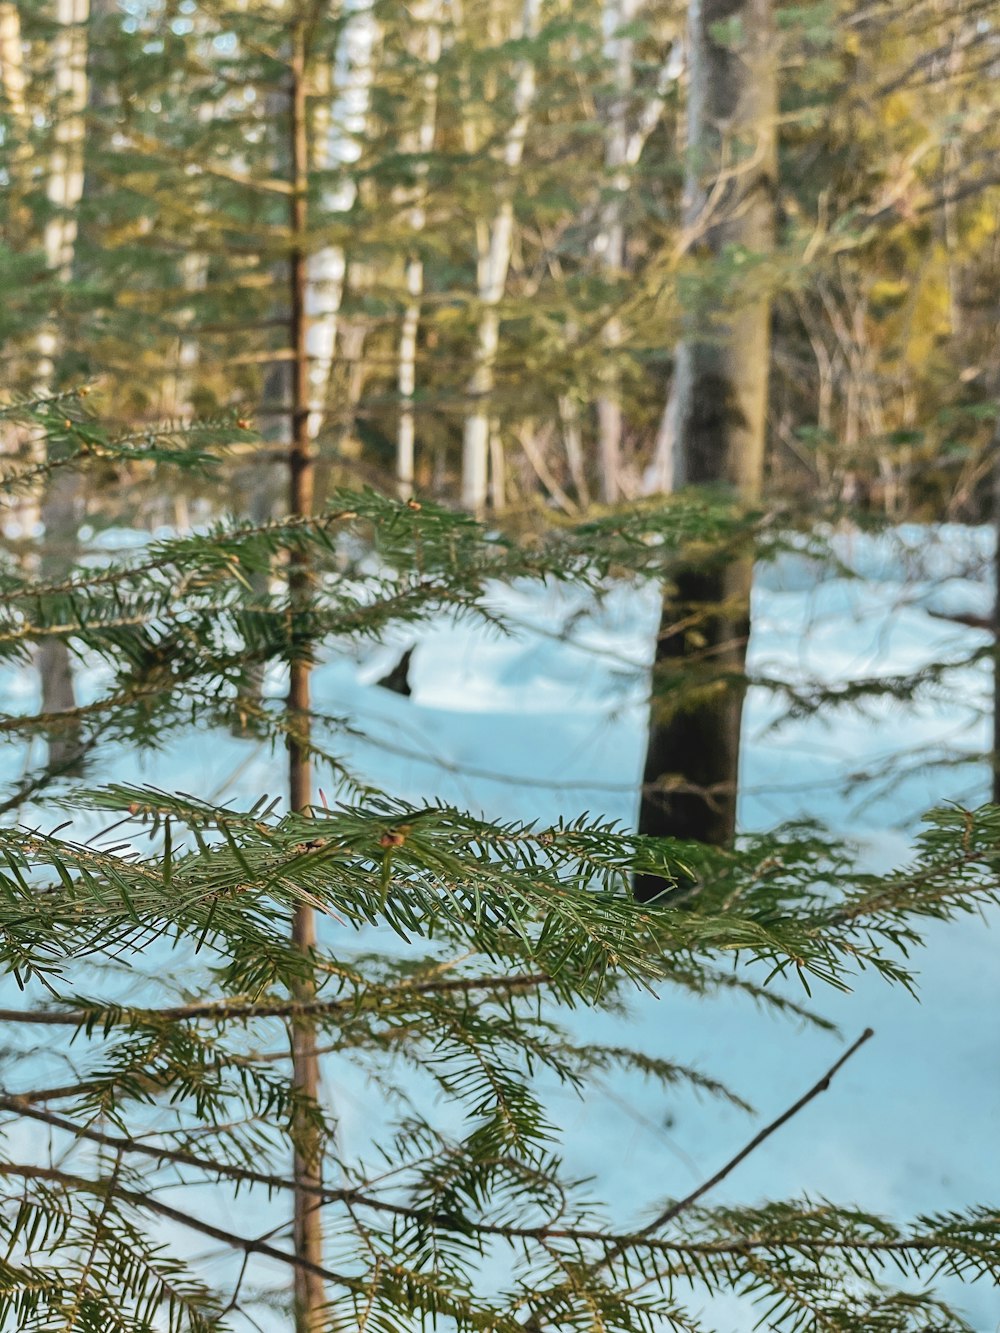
x,y
692,760
495,244
610,242
428,15
406,381
65,181
13,99
624,147
179,385
338,149
660,477
13,80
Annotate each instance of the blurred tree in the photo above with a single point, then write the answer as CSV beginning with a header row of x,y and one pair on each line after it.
x,y
542,144
721,383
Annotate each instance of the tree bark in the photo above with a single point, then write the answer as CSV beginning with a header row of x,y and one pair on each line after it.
x,y
692,760
13,80
623,148
310,1296
59,513
572,436
68,183
65,181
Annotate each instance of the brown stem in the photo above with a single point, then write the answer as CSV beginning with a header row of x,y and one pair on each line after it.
x,y
247,1244
247,1010
675,1209
645,1235
310,1297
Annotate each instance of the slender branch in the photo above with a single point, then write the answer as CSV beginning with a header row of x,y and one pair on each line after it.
x,y
249,1010
178,554
241,1174
247,1175
613,1244
58,1093
246,1244
180,1157
675,1209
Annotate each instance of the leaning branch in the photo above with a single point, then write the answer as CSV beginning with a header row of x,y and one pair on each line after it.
x,y
356,1197
675,1209
245,1244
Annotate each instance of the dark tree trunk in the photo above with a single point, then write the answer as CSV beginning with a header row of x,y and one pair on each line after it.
x,y
692,756
692,759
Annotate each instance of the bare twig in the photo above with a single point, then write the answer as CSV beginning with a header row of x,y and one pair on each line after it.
x,y
675,1209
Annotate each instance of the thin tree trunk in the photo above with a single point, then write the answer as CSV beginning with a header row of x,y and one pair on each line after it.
x,y
660,477
623,149
13,80
406,381
350,90
495,245
65,182
55,666
194,265
572,435
326,268
692,760
662,472
428,15
498,469
193,275
57,499
610,241
18,171
310,1296
17,154
476,435
356,328
259,486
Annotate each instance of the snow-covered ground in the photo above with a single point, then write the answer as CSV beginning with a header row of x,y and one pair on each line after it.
x,y
911,1124
538,724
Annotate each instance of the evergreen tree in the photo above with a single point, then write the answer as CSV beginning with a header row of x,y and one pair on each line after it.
x,y
171,969
446,246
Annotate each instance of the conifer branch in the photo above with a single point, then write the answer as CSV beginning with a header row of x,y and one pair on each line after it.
x,y
145,1202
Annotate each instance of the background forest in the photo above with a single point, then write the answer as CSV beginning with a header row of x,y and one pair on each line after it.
x,y
499,261
340,340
